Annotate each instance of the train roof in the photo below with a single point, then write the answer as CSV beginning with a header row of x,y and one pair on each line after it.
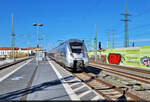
x,y
74,40
67,41
70,40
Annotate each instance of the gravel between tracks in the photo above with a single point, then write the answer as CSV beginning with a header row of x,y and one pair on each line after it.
x,y
140,89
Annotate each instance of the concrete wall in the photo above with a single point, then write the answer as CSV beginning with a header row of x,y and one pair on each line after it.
x,y
134,56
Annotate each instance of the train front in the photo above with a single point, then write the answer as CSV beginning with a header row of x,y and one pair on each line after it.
x,y
77,55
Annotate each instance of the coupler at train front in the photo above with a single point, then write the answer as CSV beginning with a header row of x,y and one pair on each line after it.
x,y
78,65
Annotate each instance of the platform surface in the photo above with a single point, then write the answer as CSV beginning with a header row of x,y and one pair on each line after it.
x,y
45,84
46,80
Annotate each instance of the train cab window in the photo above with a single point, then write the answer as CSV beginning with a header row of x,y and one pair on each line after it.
x,y
76,47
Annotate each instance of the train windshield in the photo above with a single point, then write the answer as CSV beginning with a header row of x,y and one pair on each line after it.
x,y
76,47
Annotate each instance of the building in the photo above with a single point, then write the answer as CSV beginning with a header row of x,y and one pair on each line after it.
x,y
33,50
6,52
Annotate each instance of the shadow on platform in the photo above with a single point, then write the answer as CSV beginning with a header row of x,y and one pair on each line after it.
x,y
22,92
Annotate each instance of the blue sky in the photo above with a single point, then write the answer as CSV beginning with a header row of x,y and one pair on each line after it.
x,y
65,19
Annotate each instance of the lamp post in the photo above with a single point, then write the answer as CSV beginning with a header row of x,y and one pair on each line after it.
x,y
37,30
40,44
45,43
13,39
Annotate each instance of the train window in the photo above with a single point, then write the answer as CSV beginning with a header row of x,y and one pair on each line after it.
x,y
76,47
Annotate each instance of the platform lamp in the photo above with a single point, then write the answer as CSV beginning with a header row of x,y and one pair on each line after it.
x,y
37,30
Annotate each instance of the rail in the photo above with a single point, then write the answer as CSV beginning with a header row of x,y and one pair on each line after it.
x,y
13,63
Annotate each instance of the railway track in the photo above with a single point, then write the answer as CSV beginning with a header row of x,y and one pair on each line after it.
x,y
122,67
137,81
108,91
142,79
12,63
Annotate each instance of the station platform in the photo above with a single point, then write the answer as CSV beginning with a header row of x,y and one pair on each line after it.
x,y
45,81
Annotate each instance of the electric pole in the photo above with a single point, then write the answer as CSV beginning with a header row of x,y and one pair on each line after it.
x,y
92,45
13,39
108,39
113,39
95,43
133,44
126,39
